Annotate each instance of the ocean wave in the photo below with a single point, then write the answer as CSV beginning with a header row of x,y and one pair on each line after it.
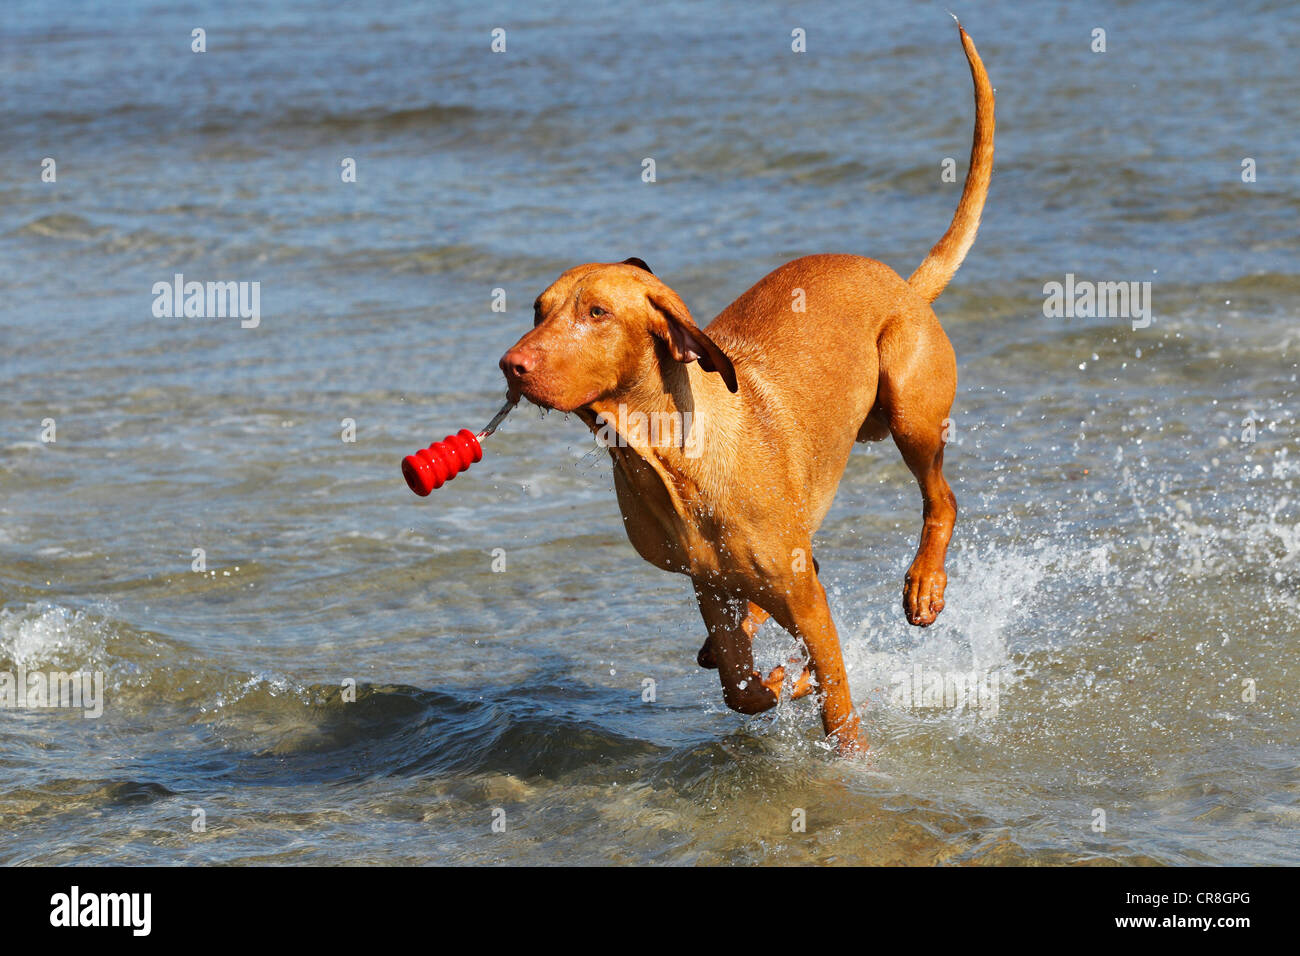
x,y
139,119
60,225
375,119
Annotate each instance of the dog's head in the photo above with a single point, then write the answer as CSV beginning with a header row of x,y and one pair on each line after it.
x,y
599,329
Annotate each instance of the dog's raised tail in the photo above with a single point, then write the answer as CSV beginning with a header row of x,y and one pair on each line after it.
x,y
939,266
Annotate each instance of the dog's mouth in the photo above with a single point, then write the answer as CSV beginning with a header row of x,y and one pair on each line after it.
x,y
517,390
514,392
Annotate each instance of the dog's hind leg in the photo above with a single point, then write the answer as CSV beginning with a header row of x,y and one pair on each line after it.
x,y
918,380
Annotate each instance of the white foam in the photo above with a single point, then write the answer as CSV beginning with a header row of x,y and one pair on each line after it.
x,y
45,634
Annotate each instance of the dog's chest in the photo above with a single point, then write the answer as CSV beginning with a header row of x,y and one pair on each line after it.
x,y
661,526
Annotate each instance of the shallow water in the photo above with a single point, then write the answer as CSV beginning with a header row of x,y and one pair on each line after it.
x,y
1124,571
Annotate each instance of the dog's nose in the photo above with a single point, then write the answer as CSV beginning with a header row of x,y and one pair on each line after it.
x,y
518,362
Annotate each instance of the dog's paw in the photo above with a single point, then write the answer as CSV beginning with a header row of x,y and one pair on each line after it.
x,y
751,696
923,595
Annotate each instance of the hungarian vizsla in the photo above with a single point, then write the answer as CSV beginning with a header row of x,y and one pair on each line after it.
x,y
766,403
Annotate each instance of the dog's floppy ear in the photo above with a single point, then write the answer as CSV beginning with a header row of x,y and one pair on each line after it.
x,y
684,339
639,263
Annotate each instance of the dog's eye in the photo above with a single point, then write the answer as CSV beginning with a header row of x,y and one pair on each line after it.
x,y
597,312
537,314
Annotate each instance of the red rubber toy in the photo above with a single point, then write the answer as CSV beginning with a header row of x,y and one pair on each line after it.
x,y
442,461
433,467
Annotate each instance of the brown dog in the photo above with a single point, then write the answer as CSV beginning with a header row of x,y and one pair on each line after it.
x,y
768,401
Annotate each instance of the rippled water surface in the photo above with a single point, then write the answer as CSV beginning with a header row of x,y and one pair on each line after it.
x,y
1125,565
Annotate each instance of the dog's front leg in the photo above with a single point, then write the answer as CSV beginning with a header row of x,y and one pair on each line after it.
x,y
753,620
799,605
732,623
731,648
